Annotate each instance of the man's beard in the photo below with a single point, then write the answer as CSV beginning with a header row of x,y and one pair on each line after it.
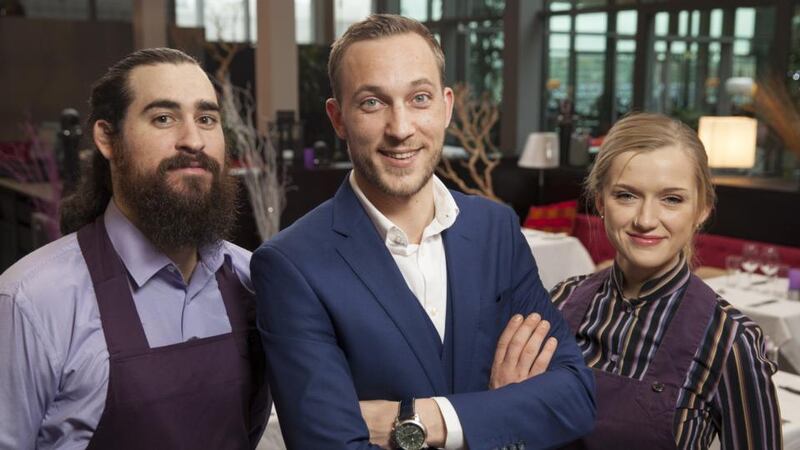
x,y
189,215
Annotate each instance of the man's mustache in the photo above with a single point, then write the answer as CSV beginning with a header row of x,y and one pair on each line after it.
x,y
186,160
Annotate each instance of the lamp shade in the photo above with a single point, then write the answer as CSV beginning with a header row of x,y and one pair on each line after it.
x,y
730,142
541,151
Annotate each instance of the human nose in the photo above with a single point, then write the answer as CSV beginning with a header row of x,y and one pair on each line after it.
x,y
647,215
190,138
401,123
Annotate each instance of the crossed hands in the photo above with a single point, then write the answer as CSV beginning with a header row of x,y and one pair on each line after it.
x,y
523,351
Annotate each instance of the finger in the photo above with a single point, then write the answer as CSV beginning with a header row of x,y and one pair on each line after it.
x,y
519,340
505,339
532,348
545,356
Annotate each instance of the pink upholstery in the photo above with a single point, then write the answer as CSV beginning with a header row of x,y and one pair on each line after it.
x,y
711,249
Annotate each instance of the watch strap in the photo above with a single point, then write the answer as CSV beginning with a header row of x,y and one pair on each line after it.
x,y
406,411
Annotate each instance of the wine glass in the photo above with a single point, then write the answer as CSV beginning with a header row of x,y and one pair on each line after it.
x,y
750,260
733,265
770,262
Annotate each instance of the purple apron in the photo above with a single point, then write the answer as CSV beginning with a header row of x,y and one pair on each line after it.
x,y
633,414
205,393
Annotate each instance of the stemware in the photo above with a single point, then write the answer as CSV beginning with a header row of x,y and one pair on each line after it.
x,y
733,266
750,260
770,262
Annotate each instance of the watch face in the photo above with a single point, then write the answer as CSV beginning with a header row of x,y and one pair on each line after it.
x,y
409,436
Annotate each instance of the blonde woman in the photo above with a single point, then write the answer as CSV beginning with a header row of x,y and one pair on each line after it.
x,y
675,364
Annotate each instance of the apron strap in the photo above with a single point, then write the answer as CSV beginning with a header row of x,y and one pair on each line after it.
x,y
121,324
685,332
575,307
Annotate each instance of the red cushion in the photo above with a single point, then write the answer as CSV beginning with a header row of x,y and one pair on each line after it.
x,y
711,250
592,234
555,218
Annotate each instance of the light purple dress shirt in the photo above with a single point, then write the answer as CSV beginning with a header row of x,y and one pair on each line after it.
x,y
53,355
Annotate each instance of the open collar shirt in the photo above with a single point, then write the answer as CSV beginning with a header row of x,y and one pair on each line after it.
x,y
424,268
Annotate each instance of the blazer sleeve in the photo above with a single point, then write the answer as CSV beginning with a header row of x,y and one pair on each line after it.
x,y
307,372
545,411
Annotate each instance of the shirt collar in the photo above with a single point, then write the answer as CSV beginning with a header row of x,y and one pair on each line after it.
x,y
444,216
140,257
658,287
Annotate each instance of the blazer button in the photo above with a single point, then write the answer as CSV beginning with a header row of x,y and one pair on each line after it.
x,y
658,387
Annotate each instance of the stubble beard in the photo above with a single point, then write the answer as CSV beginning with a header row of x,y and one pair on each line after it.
x,y
194,214
381,178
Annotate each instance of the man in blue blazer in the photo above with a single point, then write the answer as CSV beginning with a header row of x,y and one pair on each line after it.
x,y
398,289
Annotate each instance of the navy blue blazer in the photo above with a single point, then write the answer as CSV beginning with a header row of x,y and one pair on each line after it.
x,y
339,325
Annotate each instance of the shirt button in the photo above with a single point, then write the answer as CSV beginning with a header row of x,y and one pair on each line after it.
x,y
432,311
658,387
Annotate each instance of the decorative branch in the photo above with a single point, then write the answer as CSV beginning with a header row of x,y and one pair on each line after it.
x,y
472,125
775,105
266,183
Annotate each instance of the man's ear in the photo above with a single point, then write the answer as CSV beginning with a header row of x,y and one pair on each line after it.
x,y
101,133
449,100
335,115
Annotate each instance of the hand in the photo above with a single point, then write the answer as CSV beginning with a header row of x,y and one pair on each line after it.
x,y
379,416
520,354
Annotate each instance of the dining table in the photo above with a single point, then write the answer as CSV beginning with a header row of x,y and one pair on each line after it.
x,y
558,256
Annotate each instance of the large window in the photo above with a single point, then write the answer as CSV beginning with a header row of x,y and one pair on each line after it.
x,y
226,20
471,34
348,12
589,69
696,52
605,58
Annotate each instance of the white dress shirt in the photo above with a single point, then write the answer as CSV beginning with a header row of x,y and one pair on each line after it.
x,y
424,269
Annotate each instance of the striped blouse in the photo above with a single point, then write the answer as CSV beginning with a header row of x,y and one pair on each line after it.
x,y
728,390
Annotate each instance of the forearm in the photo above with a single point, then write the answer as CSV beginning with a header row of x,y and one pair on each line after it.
x,y
543,412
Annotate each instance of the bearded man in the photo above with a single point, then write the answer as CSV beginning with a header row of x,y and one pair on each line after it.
x,y
136,329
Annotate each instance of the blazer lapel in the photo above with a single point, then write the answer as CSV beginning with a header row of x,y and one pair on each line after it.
x,y
464,274
371,261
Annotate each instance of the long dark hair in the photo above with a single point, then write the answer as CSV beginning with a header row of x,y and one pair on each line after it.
x,y
109,101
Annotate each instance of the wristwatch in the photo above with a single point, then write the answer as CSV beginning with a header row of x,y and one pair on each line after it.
x,y
408,433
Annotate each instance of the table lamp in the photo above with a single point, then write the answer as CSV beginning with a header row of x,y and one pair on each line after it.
x,y
730,141
541,152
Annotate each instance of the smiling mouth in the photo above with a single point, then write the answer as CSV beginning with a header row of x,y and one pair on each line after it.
x,y
645,240
399,156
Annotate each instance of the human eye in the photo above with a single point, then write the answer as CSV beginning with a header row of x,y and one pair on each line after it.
x,y
623,196
208,120
422,99
370,104
673,199
163,120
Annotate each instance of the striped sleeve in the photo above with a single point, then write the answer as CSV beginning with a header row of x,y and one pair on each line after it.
x,y
746,398
562,290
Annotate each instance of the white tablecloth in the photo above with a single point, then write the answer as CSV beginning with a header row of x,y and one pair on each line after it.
x,y
558,256
766,303
272,438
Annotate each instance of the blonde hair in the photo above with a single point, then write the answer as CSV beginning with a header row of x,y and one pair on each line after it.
x,y
646,132
379,26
